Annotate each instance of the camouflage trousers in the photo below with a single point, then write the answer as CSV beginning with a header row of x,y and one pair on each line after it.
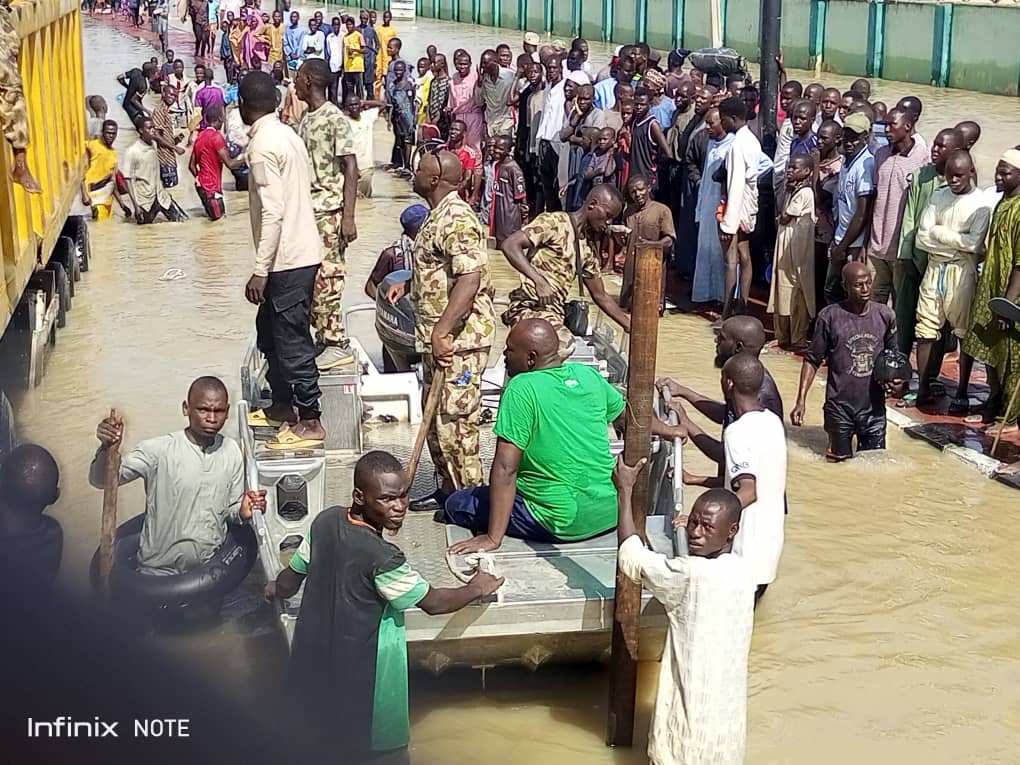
x,y
327,300
453,438
519,311
13,116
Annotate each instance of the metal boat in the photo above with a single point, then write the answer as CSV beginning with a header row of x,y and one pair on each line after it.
x,y
556,603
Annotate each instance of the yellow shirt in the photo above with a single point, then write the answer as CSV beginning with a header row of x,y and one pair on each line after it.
x,y
382,59
354,62
272,35
102,166
423,92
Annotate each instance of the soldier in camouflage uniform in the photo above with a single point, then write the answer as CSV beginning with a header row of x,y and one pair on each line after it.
x,y
549,252
454,321
13,114
334,167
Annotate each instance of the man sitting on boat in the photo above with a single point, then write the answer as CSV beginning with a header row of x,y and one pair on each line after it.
x,y
552,475
194,482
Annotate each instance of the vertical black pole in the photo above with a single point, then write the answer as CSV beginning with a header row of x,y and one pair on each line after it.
x,y
771,21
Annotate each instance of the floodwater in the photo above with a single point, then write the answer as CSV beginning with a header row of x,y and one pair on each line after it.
x,y
890,636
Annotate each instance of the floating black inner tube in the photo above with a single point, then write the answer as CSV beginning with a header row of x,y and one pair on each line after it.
x,y
221,574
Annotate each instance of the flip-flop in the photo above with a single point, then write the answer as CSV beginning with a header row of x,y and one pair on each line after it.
x,y
1004,309
259,419
288,439
976,419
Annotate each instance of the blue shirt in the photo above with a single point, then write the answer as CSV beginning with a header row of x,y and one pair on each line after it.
x,y
856,179
292,39
800,145
605,94
663,112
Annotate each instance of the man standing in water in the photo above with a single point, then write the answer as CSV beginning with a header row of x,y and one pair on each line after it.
x,y
288,251
741,213
194,482
141,173
334,171
347,678
849,338
552,254
455,322
701,706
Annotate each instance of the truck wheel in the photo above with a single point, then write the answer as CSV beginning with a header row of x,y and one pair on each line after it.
x,y
65,253
77,229
7,436
63,293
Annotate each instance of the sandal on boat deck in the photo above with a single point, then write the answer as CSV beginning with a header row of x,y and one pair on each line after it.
x,y
288,439
259,419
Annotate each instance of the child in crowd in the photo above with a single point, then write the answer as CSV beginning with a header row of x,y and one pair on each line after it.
x,y
793,274
509,208
598,165
400,94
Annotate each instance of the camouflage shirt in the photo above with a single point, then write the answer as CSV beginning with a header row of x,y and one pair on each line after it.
x,y
328,138
555,258
449,244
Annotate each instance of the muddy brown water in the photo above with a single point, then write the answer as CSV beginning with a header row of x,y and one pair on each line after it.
x,y
890,636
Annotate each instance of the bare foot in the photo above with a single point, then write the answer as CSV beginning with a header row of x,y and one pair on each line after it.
x,y
1009,430
22,175
281,413
311,430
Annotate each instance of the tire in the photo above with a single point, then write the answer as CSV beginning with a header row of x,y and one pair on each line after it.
x,y
7,434
65,253
77,229
63,292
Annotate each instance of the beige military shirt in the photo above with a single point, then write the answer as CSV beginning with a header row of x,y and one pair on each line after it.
x,y
449,244
328,138
555,258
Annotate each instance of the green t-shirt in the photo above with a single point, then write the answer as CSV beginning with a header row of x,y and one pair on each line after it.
x,y
557,418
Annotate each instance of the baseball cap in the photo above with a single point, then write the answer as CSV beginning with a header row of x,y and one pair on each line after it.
x,y
857,122
531,38
413,216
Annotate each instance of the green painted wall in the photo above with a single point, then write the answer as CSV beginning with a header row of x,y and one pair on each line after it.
x,y
591,19
660,24
624,21
908,42
846,37
562,19
697,27
485,17
794,36
984,49
743,26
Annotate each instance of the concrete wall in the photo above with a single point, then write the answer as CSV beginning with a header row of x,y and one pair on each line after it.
x,y
972,46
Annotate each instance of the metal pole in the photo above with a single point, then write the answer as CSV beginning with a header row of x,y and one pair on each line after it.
x,y
715,22
771,24
644,331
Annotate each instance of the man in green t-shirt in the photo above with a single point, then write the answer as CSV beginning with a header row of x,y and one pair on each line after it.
x,y
552,476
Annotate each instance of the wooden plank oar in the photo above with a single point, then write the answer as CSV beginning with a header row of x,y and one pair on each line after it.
x,y
108,528
427,417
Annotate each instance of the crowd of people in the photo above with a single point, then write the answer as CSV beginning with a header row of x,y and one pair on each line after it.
x,y
874,243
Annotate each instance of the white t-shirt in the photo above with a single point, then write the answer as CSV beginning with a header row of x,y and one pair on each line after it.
x,y
755,446
361,131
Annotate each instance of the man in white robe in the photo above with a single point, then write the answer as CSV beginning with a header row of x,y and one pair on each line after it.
x,y
700,712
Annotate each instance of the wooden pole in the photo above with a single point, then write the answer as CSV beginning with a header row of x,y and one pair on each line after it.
x,y
427,416
108,529
644,335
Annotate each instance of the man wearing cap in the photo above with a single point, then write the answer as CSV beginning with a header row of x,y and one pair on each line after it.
x,y
531,41
992,340
852,202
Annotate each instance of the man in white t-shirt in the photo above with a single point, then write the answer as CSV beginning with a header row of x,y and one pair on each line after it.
x,y
361,115
755,447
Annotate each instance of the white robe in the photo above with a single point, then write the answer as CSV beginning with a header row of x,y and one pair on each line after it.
x,y
700,715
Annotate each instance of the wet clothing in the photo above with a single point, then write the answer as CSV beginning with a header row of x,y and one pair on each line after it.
x,y
755,447
508,193
849,344
34,556
210,167
985,342
347,676
138,86
101,170
141,168
191,492
701,704
558,418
